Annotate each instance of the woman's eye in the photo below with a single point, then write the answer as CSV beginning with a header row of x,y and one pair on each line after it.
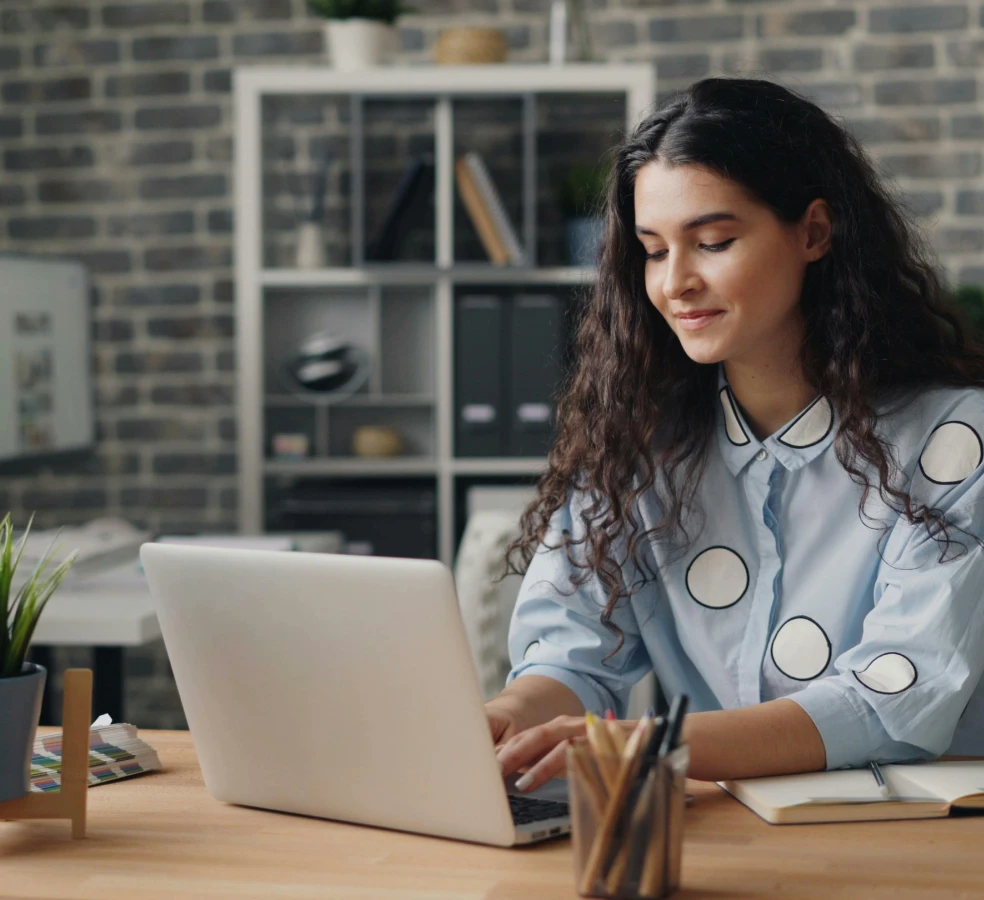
x,y
659,254
717,248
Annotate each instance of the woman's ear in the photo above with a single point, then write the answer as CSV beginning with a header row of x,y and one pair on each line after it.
x,y
817,225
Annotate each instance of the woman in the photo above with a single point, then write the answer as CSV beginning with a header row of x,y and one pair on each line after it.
x,y
767,482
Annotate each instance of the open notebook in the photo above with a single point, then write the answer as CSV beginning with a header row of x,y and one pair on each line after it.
x,y
920,791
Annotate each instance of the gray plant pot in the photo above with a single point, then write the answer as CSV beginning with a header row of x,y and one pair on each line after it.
x,y
584,235
20,709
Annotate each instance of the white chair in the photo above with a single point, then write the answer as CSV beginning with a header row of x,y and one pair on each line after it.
x,y
487,604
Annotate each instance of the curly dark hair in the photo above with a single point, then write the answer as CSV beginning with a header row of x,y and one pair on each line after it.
x,y
878,320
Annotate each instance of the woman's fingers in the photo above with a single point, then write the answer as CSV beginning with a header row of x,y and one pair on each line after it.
x,y
533,744
550,766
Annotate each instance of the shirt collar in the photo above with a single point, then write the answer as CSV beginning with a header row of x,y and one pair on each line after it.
x,y
796,443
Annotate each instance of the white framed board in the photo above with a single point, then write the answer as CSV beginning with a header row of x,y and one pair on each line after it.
x,y
45,367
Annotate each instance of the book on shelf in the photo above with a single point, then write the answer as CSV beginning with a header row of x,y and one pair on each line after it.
x,y
919,791
487,211
115,752
416,184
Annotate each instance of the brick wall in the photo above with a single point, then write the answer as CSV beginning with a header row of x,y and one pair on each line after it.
x,y
116,142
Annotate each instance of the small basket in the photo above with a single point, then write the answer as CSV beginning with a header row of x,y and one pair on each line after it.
x,y
469,45
634,854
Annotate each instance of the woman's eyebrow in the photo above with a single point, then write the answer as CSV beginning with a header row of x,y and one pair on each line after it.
x,y
705,219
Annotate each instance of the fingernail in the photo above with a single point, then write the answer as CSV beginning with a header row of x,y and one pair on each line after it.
x,y
524,783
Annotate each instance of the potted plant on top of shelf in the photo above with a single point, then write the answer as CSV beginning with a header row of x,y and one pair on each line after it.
x,y
21,682
359,33
580,192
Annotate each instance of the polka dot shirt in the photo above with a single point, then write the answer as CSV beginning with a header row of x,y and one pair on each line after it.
x,y
787,590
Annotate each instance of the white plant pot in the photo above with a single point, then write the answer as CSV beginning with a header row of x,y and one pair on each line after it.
x,y
310,246
355,44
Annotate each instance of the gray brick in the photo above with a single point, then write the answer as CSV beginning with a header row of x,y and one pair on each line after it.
x,y
223,291
116,397
933,165
195,464
164,497
220,221
106,262
966,52
190,327
113,330
37,18
80,191
10,57
147,84
938,91
54,90
970,203
917,19
686,65
63,498
219,149
618,33
11,127
33,158
219,11
90,121
229,498
959,240
226,11
924,203
273,44
12,195
142,15
225,361
703,28
151,430
162,153
874,57
812,23
218,81
51,227
832,94
76,53
190,48
158,361
228,429
967,126
193,395
192,258
184,187
881,131
160,295
172,117
795,59
151,224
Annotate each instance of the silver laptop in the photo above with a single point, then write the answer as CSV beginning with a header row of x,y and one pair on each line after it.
x,y
340,687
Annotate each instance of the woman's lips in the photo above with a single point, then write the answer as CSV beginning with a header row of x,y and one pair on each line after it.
x,y
691,322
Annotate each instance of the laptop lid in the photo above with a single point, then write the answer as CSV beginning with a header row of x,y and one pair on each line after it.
x,y
331,685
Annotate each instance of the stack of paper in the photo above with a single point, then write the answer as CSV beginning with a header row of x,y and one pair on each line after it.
x,y
115,752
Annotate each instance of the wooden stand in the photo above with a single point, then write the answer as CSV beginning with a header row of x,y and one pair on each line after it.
x,y
70,801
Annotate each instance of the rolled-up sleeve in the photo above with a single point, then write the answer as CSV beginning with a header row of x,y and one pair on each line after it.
x,y
556,628
900,691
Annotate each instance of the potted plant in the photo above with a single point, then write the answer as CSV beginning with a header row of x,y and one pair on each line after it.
x,y
580,192
21,682
359,33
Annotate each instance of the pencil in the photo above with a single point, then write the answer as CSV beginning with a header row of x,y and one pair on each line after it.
x,y
615,732
880,780
604,750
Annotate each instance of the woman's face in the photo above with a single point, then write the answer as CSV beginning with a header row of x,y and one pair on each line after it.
x,y
723,270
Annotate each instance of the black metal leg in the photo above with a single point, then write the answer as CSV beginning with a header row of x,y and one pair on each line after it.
x,y
107,682
43,656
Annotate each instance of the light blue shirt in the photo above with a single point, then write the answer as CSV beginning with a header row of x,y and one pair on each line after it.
x,y
783,593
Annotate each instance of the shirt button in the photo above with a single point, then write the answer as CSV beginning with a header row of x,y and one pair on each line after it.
x,y
762,454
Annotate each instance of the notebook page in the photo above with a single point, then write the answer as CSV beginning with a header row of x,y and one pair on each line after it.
x,y
947,780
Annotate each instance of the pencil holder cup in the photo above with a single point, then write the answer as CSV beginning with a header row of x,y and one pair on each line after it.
x,y
627,844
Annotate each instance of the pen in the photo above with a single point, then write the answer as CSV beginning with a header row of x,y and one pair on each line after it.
x,y
879,779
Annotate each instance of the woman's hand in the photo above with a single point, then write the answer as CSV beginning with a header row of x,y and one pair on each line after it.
x,y
542,748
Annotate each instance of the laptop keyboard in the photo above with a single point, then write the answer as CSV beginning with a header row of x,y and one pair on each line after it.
x,y
529,809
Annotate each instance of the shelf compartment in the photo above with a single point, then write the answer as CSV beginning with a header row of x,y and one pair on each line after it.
x,y
414,423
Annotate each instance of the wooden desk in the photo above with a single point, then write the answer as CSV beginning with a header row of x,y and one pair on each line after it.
x,y
162,836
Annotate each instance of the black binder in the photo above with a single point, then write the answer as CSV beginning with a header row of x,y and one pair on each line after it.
x,y
409,201
479,376
536,351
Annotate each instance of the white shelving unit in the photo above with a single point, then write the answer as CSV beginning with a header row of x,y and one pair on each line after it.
x,y
256,284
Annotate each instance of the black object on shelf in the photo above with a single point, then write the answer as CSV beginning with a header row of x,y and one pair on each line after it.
x,y
536,354
398,517
479,377
410,199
